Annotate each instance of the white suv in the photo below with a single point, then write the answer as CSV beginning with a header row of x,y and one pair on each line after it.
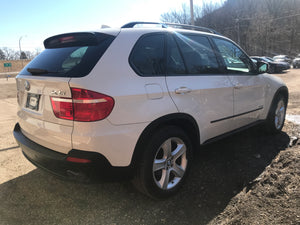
x,y
138,101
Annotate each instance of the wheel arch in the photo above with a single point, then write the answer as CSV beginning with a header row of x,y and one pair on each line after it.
x,y
283,90
181,120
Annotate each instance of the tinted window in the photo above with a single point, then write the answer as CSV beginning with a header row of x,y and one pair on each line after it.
x,y
147,57
198,54
175,63
235,59
73,61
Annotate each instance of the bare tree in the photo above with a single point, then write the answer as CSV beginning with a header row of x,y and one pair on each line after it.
x,y
2,55
30,54
177,16
183,15
274,7
23,55
9,53
37,52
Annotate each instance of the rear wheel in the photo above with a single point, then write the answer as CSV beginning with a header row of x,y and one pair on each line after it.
x,y
165,163
276,117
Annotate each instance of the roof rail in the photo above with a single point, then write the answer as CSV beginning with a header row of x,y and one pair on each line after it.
x,y
175,25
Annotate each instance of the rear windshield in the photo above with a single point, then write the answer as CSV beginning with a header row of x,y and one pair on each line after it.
x,y
69,60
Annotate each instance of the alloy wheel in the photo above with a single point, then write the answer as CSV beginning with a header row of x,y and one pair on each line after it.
x,y
170,163
279,114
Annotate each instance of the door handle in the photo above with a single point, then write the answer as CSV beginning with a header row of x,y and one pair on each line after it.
x,y
182,90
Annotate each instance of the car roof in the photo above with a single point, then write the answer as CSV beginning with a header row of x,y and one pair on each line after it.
x,y
280,56
174,25
150,27
153,27
142,31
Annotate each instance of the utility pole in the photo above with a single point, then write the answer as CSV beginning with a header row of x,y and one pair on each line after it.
x,y
20,45
192,12
21,49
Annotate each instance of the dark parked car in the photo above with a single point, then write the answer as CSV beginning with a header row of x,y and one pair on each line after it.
x,y
296,61
274,66
286,65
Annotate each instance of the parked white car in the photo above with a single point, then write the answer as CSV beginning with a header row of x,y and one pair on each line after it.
x,y
296,61
138,102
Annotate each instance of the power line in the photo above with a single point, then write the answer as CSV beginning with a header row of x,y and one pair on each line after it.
x,y
263,21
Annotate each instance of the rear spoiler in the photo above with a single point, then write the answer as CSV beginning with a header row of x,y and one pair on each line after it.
x,y
74,39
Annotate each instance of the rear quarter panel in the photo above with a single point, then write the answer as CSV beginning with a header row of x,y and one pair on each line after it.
x,y
137,99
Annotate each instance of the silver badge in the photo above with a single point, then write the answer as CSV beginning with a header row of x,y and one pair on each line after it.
x,y
58,92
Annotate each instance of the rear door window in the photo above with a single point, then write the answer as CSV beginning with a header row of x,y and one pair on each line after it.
x,y
69,55
147,56
175,63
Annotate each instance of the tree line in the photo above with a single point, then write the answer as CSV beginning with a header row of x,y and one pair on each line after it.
x,y
260,27
11,54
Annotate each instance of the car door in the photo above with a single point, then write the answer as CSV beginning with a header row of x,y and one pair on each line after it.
x,y
197,85
249,87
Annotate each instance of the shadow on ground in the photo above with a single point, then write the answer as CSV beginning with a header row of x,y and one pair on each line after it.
x,y
220,171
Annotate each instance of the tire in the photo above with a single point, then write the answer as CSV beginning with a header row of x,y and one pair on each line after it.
x,y
165,163
276,117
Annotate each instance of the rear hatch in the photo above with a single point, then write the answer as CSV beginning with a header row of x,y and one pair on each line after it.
x,y
44,95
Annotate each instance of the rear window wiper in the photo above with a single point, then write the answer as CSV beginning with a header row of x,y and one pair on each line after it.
x,y
37,71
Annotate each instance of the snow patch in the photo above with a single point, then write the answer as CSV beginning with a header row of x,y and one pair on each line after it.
x,y
293,118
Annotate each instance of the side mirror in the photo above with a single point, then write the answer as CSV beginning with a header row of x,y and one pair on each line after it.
x,y
262,67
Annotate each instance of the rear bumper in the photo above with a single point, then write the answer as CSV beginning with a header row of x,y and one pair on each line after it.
x,y
56,163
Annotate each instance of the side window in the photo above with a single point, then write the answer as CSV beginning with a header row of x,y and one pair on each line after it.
x,y
175,64
147,56
198,54
235,60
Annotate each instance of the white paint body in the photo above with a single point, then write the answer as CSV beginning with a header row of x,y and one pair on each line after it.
x,y
140,101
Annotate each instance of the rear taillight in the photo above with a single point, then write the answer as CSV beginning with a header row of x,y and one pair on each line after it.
x,y
84,106
62,108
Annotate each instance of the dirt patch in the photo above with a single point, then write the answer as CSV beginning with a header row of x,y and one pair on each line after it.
x,y
8,90
274,196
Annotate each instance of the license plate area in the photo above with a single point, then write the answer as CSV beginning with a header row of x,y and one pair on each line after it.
x,y
33,101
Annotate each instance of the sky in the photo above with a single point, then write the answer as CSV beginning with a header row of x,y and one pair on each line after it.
x,y
32,21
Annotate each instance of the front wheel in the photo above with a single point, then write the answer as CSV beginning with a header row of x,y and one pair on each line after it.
x,y
165,163
276,117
